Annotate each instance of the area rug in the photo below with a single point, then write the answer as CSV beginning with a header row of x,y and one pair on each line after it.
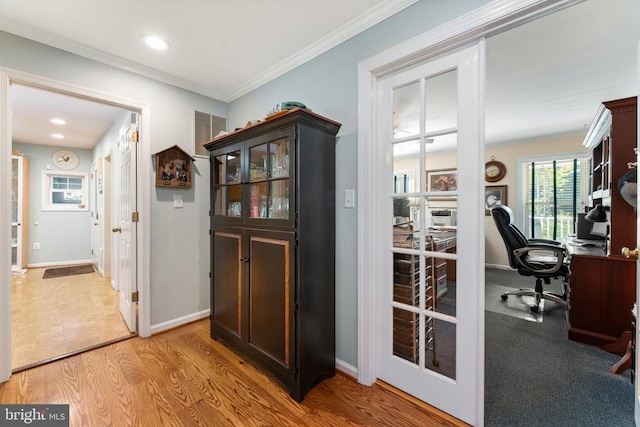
x,y
51,273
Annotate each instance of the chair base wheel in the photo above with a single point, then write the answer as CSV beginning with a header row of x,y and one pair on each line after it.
x,y
504,297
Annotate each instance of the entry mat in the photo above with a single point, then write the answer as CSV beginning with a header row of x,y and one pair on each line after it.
x,y
514,306
51,273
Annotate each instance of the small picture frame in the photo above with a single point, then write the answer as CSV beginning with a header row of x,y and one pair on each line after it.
x,y
442,180
173,168
494,195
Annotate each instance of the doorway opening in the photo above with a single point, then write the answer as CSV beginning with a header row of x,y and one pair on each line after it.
x,y
70,205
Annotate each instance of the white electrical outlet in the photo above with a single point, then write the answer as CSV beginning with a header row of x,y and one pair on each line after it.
x,y
36,246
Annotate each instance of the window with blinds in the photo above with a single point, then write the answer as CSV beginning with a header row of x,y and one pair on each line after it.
x,y
206,127
552,192
403,182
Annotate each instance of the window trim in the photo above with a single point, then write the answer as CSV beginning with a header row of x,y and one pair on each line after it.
x,y
47,200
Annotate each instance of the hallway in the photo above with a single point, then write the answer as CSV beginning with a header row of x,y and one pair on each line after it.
x,y
54,317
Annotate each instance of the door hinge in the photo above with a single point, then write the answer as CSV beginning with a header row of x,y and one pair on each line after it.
x,y
134,296
296,307
134,216
134,136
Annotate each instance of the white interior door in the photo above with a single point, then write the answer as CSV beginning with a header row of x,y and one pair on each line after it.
x,y
95,217
19,204
431,227
126,228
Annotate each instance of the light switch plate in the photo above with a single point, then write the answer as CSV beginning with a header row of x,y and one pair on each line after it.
x,y
350,198
177,201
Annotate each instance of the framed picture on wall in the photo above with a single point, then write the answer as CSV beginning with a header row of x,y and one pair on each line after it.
x,y
442,180
494,195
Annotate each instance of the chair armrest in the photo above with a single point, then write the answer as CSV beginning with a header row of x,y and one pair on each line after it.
x,y
522,257
547,241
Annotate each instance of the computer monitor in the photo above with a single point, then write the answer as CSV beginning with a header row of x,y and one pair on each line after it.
x,y
584,228
600,229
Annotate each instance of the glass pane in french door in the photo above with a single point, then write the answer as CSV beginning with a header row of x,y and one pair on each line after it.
x,y
424,225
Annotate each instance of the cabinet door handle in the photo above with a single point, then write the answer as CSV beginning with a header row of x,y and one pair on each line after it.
x,y
244,259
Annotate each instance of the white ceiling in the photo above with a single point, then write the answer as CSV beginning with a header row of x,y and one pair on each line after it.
x,y
544,79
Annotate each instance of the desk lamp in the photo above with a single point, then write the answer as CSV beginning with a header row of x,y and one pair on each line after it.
x,y
599,215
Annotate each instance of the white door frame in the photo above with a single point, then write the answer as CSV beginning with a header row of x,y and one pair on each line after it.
x,y
495,17
7,78
636,388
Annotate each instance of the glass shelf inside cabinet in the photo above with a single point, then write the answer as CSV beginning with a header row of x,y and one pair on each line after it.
x,y
228,184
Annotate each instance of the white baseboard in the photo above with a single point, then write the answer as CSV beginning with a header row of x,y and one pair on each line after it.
x,y
59,263
165,326
343,366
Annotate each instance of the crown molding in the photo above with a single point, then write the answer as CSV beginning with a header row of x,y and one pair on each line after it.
x,y
85,51
352,28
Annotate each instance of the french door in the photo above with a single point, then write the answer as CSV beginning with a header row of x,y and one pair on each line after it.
x,y
430,297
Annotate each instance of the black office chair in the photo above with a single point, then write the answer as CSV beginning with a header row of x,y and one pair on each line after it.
x,y
540,258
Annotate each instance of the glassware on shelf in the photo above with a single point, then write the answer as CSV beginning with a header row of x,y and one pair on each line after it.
x,y
234,209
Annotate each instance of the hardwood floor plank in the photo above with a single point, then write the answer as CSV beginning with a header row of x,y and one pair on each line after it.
x,y
184,378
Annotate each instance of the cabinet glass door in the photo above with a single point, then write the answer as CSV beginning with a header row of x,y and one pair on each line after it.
x,y
269,179
228,184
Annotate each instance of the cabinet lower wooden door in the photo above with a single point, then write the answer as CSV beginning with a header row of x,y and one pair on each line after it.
x,y
271,296
226,316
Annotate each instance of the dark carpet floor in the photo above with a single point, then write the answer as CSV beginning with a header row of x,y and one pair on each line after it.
x,y
536,376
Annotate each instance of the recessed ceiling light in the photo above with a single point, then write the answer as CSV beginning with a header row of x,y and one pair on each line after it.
x,y
58,121
155,42
57,136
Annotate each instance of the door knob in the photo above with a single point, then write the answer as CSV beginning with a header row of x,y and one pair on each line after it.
x,y
630,253
116,229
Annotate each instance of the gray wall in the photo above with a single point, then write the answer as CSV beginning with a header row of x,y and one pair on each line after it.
x,y
63,236
179,237
328,85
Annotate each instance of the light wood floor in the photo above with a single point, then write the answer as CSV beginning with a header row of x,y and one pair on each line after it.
x,y
184,378
57,316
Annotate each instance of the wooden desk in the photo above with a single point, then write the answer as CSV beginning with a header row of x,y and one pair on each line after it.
x,y
602,293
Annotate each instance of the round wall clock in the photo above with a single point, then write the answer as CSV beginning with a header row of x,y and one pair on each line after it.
x,y
65,159
494,170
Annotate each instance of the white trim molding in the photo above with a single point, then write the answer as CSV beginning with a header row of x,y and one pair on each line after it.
x,y
350,29
7,78
491,19
5,231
